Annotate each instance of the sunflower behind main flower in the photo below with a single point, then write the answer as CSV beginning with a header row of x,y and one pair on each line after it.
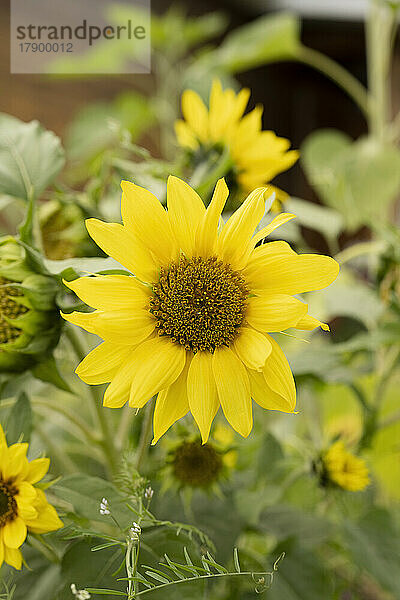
x,y
257,156
197,333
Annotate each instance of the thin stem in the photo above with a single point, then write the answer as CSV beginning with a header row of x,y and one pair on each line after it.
x,y
379,40
37,542
66,464
127,417
70,416
107,441
338,74
145,436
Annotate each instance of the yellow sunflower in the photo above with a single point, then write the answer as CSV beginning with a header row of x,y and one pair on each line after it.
x,y
192,325
257,156
344,469
23,507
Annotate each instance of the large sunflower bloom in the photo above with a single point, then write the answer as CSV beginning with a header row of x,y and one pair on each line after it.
x,y
257,156
197,332
23,507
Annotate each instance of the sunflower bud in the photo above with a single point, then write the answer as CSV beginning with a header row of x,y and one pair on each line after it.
x,y
29,320
63,229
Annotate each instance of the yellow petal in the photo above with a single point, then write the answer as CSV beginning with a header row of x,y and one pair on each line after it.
x,y
48,520
120,243
37,469
289,273
274,312
3,441
117,393
102,363
15,464
157,364
110,292
264,396
146,217
233,242
308,322
252,347
266,231
125,327
233,389
13,557
25,510
171,404
185,135
207,232
185,211
278,374
26,492
202,392
195,113
14,533
1,551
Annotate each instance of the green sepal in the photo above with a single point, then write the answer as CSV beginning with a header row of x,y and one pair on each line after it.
x,y
48,372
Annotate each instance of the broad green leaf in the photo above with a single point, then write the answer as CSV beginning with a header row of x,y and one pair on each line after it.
x,y
268,39
85,493
375,547
288,522
359,179
301,576
19,423
30,157
327,221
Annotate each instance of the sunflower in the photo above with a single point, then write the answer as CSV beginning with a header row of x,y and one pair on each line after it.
x,y
256,156
343,469
193,324
23,507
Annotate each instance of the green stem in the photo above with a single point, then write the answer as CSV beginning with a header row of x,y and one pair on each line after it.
x,y
338,74
379,43
65,463
127,417
107,441
37,542
74,419
145,435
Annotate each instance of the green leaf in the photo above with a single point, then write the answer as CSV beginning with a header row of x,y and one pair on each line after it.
x,y
48,372
30,157
71,268
327,221
301,576
267,39
374,543
19,423
85,494
359,179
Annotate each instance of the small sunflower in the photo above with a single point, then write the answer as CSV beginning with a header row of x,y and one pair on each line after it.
x,y
343,469
193,324
257,156
23,507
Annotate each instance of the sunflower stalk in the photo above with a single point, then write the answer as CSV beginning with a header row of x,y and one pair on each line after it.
x,y
106,442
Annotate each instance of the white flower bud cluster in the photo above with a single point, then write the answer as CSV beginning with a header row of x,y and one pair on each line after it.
x,y
135,531
79,594
148,493
104,507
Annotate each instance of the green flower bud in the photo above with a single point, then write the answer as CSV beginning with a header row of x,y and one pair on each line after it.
x,y
30,324
63,229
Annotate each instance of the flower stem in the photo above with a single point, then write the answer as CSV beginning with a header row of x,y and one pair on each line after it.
x,y
145,435
338,74
107,440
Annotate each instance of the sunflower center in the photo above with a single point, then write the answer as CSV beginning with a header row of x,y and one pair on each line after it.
x,y
8,505
9,309
199,303
197,465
